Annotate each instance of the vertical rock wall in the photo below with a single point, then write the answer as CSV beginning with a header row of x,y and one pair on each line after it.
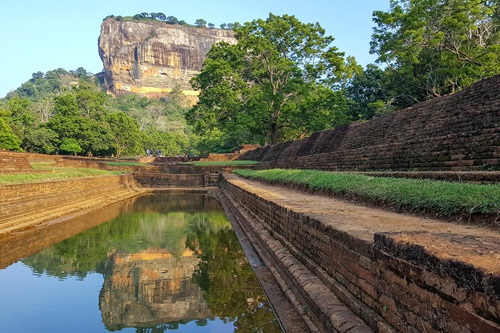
x,y
151,58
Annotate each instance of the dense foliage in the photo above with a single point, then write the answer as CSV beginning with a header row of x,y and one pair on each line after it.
x,y
280,81
66,113
436,47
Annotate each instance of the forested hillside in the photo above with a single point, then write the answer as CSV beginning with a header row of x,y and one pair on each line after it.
x,y
67,113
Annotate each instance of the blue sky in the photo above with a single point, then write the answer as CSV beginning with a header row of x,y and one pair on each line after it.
x,y
41,35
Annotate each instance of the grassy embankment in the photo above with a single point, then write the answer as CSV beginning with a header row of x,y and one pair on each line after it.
x,y
441,198
51,172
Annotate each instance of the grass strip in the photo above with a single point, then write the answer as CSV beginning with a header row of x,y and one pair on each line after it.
x,y
55,173
223,163
441,197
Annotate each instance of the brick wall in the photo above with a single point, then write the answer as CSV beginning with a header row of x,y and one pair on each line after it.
x,y
454,132
393,286
23,205
176,180
14,162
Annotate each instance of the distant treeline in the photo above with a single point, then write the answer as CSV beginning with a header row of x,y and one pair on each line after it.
x,y
199,23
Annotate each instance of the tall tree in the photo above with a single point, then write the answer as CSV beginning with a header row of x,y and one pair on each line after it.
x,y
435,47
368,94
252,89
126,134
8,140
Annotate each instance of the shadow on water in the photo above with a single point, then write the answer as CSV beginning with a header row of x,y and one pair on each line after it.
x,y
168,261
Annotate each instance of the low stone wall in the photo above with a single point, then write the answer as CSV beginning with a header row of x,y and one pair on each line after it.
x,y
25,205
389,281
176,180
11,162
458,132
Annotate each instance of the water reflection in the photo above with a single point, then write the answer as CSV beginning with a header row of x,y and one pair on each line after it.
x,y
168,263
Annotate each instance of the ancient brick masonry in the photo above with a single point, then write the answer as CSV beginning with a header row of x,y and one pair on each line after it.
x,y
388,280
451,133
14,162
27,204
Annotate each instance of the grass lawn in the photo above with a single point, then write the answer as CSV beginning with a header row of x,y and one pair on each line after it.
x,y
440,197
52,172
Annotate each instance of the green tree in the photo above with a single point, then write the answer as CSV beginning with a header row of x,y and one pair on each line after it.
x,y
172,20
70,146
125,132
8,140
435,47
200,23
161,16
22,117
41,140
368,94
254,88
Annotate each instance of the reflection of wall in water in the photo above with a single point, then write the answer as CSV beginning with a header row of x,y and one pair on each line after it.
x,y
177,202
150,288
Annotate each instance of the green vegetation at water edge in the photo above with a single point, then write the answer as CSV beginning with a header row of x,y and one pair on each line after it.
x,y
52,173
443,198
223,163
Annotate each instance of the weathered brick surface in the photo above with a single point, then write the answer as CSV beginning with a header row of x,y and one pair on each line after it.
x,y
176,180
14,162
405,286
455,132
23,205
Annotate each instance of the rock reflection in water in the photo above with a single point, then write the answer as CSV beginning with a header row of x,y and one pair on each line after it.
x,y
150,288
166,261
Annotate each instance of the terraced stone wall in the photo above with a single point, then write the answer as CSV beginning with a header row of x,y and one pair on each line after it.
x,y
451,133
14,162
391,285
24,205
152,180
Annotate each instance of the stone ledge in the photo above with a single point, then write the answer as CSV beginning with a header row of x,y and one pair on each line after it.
x,y
438,290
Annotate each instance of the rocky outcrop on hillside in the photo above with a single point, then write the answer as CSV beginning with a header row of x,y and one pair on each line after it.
x,y
151,58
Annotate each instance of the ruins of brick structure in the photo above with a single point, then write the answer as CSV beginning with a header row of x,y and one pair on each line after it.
x,y
345,267
457,132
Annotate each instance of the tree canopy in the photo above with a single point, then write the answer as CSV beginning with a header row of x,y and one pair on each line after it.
x,y
263,88
78,118
435,47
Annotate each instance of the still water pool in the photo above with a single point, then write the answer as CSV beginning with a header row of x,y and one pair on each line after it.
x,y
159,263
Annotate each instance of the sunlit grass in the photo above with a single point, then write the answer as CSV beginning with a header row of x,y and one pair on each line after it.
x,y
52,172
443,198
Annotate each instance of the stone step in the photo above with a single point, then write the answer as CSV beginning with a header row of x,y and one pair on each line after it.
x,y
21,221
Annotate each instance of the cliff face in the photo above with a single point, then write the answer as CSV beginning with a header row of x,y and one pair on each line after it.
x,y
151,58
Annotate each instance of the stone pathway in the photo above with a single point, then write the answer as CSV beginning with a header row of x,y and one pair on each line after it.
x,y
477,246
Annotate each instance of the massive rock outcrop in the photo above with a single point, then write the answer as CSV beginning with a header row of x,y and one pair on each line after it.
x,y
151,58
